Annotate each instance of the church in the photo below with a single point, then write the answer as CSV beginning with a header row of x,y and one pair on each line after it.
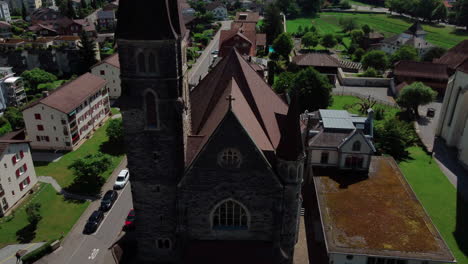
x,y
217,169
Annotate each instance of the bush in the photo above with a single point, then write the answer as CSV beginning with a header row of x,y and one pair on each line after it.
x,y
38,253
358,53
376,59
345,4
370,72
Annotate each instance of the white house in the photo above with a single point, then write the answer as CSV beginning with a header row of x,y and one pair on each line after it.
x,y
5,11
69,115
415,36
109,69
218,9
17,175
12,91
338,139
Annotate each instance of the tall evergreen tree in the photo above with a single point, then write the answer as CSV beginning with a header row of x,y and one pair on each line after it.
x,y
87,50
70,9
84,5
461,8
24,12
273,25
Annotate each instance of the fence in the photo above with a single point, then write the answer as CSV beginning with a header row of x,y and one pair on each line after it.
x,y
362,96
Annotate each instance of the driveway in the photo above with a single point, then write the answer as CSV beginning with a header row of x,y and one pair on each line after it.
x,y
78,248
426,126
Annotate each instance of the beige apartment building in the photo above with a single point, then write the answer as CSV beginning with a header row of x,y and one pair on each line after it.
x,y
17,175
109,69
69,115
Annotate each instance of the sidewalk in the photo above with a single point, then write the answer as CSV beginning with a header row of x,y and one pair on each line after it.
x,y
7,254
58,188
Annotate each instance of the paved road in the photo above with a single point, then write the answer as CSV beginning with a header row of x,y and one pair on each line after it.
x,y
78,248
7,254
201,67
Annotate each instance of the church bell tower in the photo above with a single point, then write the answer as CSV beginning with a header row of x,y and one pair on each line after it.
x,y
150,39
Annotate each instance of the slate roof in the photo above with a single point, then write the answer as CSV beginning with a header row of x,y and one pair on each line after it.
x,y
329,138
70,95
5,143
455,56
316,59
378,215
416,29
256,105
421,69
137,20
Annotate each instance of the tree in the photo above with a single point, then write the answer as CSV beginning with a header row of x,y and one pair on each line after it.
x,y
115,131
283,5
376,59
84,5
87,51
357,36
313,88
310,40
272,23
414,95
347,23
284,82
328,41
70,10
461,10
440,13
425,8
24,12
358,53
309,6
434,53
35,77
370,72
14,117
283,45
33,213
405,53
366,29
88,170
393,136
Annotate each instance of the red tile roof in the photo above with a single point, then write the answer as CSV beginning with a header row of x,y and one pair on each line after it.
x,y
418,69
455,56
249,17
111,60
70,95
255,105
316,59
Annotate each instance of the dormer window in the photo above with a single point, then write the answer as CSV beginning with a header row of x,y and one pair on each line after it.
x,y
229,158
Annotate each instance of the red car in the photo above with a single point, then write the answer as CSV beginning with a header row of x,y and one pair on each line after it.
x,y
130,221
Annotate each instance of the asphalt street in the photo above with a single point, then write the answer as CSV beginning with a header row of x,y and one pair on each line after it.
x,y
78,248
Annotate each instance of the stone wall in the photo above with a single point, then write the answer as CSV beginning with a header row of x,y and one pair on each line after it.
x,y
363,81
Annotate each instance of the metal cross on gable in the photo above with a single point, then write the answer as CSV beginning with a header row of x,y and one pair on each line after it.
x,y
230,99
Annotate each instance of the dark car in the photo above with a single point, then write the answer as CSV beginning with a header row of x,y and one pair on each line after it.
x,y
108,200
93,222
130,221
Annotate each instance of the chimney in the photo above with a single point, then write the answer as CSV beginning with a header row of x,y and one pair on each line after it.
x,y
370,118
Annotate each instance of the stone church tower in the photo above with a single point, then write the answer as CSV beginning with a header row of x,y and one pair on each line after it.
x,y
150,42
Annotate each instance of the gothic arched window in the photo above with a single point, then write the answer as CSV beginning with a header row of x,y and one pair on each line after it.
x,y
151,109
141,62
357,146
229,158
230,215
152,63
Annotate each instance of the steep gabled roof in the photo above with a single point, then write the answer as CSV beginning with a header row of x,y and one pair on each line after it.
x,y
111,60
291,147
455,56
421,69
416,29
255,104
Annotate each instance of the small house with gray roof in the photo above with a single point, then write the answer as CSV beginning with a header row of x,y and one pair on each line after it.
x,y
336,138
415,36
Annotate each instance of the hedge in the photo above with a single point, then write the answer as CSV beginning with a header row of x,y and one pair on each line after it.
x,y
38,253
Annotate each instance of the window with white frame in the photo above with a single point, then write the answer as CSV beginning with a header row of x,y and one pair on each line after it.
x,y
230,158
230,215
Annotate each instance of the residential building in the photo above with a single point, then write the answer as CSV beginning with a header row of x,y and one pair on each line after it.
x,y
5,30
11,44
242,35
431,74
453,122
455,56
69,115
414,36
218,9
370,218
109,69
5,11
17,175
229,144
338,139
71,42
106,20
49,22
11,89
321,61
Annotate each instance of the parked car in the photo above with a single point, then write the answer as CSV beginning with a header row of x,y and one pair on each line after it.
x,y
130,221
122,179
215,52
108,200
93,222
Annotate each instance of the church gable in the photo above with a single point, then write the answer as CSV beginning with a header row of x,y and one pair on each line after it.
x,y
357,143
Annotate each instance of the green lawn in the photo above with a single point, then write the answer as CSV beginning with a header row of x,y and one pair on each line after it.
x,y
438,196
436,193
58,217
115,111
446,37
98,143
